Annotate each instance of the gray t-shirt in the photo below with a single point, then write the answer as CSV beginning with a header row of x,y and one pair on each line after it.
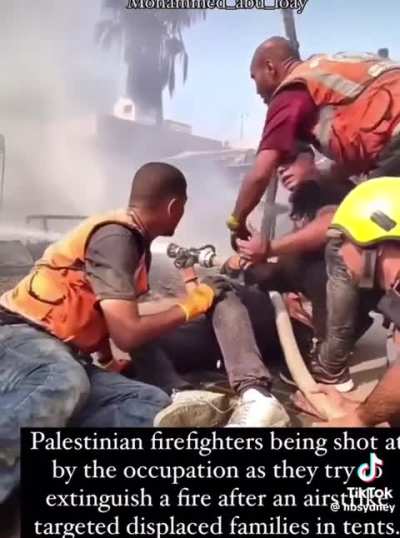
x,y
112,257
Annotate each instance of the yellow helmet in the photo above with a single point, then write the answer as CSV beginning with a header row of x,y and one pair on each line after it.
x,y
370,213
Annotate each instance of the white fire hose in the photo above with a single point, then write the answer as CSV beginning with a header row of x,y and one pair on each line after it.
x,y
295,362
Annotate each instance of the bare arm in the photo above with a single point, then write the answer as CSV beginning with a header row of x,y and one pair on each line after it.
x,y
383,404
129,330
255,183
308,239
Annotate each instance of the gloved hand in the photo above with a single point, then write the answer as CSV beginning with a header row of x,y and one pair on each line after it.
x,y
203,297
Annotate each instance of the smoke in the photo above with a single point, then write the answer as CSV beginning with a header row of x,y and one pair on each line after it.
x,y
56,83
49,98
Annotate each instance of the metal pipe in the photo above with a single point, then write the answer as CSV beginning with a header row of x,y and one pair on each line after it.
x,y
290,28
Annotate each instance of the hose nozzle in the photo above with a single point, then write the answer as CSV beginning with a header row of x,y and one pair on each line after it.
x,y
187,257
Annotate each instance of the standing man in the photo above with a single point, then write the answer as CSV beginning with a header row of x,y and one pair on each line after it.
x,y
81,293
347,106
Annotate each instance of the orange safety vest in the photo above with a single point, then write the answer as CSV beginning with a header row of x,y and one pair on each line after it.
x,y
359,105
57,295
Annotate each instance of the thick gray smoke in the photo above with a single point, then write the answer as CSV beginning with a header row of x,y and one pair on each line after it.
x,y
52,87
55,84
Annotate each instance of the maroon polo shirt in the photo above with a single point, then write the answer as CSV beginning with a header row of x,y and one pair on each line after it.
x,y
291,117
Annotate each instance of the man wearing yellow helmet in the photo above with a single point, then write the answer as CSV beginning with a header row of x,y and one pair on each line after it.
x,y
364,250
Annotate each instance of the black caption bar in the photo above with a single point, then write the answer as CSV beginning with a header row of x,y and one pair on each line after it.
x,y
148,482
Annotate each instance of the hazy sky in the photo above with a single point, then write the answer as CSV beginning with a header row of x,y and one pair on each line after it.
x,y
219,89
55,78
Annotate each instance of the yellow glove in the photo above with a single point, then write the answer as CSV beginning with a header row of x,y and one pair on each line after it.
x,y
198,301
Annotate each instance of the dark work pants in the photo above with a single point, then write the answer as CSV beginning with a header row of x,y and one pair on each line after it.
x,y
305,274
308,274
347,311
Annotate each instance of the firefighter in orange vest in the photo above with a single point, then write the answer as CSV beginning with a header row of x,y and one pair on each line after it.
x,y
348,106
81,293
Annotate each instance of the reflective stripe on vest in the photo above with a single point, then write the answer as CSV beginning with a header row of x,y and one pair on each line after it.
x,y
57,296
329,72
346,87
358,100
323,128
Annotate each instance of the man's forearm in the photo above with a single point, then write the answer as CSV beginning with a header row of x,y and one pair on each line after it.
x,y
255,183
129,330
383,404
250,194
309,239
153,326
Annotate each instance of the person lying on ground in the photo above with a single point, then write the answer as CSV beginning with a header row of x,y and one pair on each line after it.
x,y
346,105
82,292
300,267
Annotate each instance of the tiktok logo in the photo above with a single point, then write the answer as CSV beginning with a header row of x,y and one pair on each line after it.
x,y
368,472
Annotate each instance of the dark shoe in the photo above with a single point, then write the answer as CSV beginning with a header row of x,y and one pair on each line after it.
x,y
340,379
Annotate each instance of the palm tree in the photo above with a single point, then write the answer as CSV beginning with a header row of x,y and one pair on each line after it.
x,y
152,43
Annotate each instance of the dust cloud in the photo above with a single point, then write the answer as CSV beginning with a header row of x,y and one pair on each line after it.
x,y
56,83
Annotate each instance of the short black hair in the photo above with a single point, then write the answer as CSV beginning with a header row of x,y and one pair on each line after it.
x,y
155,182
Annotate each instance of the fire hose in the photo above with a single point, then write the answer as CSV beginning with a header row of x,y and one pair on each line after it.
x,y
186,258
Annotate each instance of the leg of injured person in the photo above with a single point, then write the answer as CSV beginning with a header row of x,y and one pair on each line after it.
x,y
240,334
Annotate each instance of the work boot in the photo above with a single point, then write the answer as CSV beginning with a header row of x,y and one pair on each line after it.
x,y
196,409
258,408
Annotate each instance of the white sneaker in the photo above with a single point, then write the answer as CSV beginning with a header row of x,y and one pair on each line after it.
x,y
196,409
258,410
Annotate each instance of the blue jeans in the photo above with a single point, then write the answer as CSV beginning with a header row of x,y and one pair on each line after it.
x,y
43,384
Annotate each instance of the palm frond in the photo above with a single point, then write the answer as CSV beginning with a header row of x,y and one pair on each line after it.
x,y
178,19
153,42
